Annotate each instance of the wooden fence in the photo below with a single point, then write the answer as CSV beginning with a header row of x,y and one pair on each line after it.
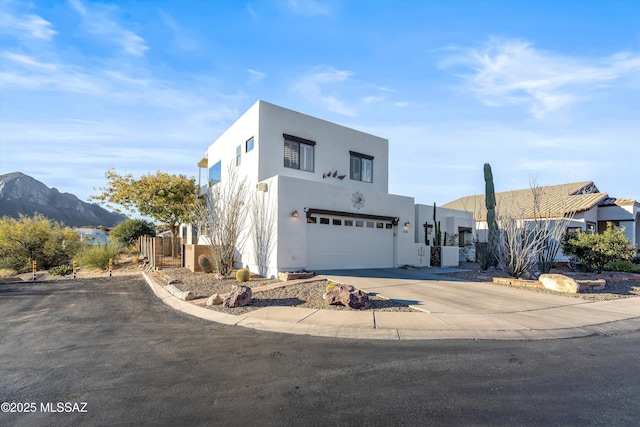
x,y
161,252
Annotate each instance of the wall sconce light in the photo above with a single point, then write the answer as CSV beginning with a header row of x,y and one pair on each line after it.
x,y
428,227
407,224
405,229
294,214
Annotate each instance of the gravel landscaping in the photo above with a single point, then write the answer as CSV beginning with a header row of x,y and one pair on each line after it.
x,y
618,284
309,294
304,295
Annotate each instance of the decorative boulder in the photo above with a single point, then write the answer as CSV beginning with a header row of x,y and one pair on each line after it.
x,y
347,296
240,296
183,295
559,283
214,299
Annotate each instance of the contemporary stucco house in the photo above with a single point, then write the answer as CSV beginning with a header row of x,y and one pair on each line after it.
x,y
592,209
328,185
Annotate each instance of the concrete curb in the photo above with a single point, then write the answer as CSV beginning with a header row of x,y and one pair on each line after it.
x,y
264,320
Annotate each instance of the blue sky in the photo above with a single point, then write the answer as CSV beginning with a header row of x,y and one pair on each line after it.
x,y
548,90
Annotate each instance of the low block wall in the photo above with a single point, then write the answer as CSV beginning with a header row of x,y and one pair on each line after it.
x,y
191,254
450,256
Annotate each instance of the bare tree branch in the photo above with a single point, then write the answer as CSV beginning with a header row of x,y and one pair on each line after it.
x,y
222,217
262,230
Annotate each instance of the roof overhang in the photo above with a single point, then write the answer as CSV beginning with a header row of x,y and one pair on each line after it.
x,y
393,219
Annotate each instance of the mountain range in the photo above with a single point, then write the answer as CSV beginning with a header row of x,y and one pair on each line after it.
x,y
21,194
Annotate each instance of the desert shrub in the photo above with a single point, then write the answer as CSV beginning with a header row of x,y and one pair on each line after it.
x,y
97,256
7,272
27,238
243,275
127,232
597,250
635,260
135,259
625,266
20,265
205,263
61,270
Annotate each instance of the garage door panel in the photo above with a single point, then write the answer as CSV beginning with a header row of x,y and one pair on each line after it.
x,y
339,246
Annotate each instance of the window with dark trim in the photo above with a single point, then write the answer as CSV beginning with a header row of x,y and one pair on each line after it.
x,y
298,153
248,145
361,168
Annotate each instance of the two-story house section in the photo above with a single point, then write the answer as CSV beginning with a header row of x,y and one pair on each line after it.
x,y
328,185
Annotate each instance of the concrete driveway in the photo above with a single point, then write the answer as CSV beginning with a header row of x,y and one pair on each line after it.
x,y
477,306
430,292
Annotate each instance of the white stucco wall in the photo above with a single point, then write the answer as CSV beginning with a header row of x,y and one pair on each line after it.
x,y
450,221
224,148
626,216
331,153
296,194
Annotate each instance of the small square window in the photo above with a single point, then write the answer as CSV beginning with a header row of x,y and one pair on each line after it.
x,y
379,225
248,146
298,153
369,224
361,167
312,220
348,222
359,223
337,221
388,226
324,220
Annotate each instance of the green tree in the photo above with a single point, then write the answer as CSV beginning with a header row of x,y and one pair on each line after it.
x,y
596,250
127,232
168,199
50,243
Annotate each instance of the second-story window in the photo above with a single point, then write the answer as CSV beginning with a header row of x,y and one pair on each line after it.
x,y
298,153
248,145
238,155
361,168
215,173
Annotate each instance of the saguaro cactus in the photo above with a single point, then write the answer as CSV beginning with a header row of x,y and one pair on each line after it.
x,y
490,202
437,238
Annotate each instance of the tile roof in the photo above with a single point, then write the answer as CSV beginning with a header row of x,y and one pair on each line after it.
x,y
612,201
555,200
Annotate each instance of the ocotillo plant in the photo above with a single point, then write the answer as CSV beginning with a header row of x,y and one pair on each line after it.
x,y
490,202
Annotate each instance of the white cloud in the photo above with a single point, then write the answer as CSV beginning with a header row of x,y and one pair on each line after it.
x,y
513,72
314,88
255,76
31,25
27,61
25,24
100,22
308,7
181,39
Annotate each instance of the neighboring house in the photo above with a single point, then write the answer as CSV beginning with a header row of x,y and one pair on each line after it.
x,y
92,236
329,188
592,209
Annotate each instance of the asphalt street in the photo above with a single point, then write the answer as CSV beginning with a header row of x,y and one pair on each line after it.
x,y
112,354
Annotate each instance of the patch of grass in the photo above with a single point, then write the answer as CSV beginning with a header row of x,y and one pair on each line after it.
x,y
624,266
98,256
